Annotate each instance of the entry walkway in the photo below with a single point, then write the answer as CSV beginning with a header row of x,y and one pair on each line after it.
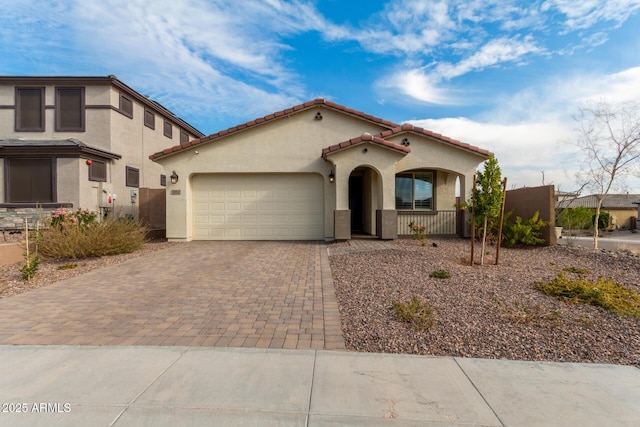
x,y
198,386
237,294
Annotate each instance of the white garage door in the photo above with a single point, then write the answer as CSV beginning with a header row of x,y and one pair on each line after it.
x,y
258,207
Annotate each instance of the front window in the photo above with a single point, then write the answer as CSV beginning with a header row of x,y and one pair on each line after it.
x,y
149,119
98,171
30,180
168,129
132,176
184,137
30,109
126,106
414,191
70,109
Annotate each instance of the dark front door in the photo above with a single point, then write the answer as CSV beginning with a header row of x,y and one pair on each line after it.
x,y
355,202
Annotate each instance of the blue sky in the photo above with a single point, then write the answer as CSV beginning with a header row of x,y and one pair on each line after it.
x,y
505,75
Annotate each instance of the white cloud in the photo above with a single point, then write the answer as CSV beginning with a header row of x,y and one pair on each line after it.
x,y
417,84
496,51
532,131
586,13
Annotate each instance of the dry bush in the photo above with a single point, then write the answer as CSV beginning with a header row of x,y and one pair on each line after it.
x,y
109,237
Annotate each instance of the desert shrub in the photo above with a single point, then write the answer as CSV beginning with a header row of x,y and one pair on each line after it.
x,y
416,312
418,232
604,220
30,268
603,293
82,218
576,218
109,237
440,274
524,231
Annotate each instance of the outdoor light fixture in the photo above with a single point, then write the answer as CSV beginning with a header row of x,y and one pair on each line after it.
x,y
174,178
332,177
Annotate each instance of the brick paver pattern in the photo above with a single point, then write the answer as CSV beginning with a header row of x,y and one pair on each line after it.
x,y
235,294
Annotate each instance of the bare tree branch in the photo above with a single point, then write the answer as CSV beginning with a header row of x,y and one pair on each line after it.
x,y
609,139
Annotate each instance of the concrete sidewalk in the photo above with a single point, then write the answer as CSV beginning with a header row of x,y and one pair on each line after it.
x,y
168,386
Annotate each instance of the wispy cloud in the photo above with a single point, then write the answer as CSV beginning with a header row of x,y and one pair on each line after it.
x,y
531,131
496,51
480,34
587,13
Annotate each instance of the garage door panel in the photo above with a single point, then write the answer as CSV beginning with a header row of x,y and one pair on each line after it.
x,y
258,206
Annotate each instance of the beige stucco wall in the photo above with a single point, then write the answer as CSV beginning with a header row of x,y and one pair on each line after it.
x,y
382,160
67,182
294,143
621,218
291,144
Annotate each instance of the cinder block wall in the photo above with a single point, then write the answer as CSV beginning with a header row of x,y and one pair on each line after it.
x,y
526,201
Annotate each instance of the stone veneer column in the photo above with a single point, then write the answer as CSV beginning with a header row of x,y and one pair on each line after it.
x,y
342,224
387,224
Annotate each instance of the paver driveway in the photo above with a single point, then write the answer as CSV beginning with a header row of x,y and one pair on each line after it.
x,y
237,294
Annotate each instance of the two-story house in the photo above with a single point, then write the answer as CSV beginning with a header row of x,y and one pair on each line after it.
x,y
80,142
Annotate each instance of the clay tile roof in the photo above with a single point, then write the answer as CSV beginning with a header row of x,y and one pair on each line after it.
x,y
273,116
420,131
366,137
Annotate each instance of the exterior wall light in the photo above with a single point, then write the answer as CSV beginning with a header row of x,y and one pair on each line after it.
x,y
332,177
174,178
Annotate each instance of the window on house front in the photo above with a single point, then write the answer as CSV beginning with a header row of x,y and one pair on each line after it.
x,y
163,180
30,109
70,109
149,119
126,106
168,129
184,137
414,191
132,177
98,171
30,180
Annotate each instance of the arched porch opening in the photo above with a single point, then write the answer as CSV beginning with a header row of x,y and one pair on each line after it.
x,y
365,199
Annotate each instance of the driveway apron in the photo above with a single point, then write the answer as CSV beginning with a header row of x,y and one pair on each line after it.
x,y
222,294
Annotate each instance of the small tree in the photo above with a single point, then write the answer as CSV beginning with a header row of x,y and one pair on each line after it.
x,y
486,200
609,141
576,218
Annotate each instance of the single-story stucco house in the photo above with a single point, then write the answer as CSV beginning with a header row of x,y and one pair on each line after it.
x,y
620,207
316,171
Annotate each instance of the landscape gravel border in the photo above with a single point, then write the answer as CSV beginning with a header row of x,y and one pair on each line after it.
x,y
490,311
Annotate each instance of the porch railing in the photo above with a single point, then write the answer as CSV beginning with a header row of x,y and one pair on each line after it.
x,y
435,222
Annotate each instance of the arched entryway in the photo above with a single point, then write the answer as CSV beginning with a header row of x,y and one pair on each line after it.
x,y
365,198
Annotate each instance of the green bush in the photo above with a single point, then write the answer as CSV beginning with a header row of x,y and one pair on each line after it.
x,y
82,218
607,294
576,218
440,274
415,312
30,268
524,231
109,237
418,232
604,220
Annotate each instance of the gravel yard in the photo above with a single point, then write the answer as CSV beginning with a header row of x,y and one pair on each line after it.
x,y
482,311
